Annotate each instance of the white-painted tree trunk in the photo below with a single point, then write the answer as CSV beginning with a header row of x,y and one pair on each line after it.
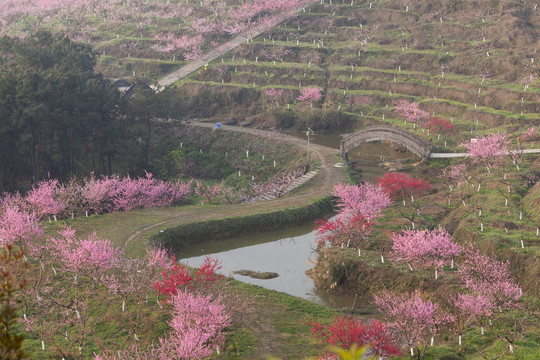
x,y
432,340
410,267
382,258
482,329
123,305
522,245
459,339
412,351
359,252
436,274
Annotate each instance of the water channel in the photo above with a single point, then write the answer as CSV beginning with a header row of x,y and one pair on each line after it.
x,y
289,252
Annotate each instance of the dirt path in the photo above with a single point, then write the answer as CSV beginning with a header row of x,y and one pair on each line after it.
x,y
329,173
228,46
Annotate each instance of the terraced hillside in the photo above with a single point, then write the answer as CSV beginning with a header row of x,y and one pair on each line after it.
x,y
139,38
472,63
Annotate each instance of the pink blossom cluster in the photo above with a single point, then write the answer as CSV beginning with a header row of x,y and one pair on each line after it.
x,y
529,134
279,184
92,256
359,206
214,193
357,100
18,226
411,112
188,46
273,94
475,307
431,248
454,172
342,229
197,326
97,196
488,150
309,95
366,199
409,317
489,278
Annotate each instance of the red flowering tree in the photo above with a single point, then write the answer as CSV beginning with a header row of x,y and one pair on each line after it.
x,y
344,230
346,331
439,125
179,277
400,185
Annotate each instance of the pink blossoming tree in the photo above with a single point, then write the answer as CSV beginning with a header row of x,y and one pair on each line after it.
x,y
309,95
425,248
488,150
410,318
18,227
43,198
490,278
411,112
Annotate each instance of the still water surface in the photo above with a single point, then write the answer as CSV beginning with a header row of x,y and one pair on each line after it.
x,y
288,252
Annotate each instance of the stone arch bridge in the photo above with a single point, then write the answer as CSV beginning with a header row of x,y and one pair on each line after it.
x,y
385,133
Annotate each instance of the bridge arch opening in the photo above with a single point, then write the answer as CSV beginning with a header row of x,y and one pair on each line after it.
x,y
385,133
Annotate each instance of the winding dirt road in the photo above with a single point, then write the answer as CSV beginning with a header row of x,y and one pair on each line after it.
x,y
330,172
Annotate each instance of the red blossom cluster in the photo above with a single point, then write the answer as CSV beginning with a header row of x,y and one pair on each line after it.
x,y
345,331
179,277
342,230
400,185
439,125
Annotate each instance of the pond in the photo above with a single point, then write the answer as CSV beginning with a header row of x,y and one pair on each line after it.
x,y
287,252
